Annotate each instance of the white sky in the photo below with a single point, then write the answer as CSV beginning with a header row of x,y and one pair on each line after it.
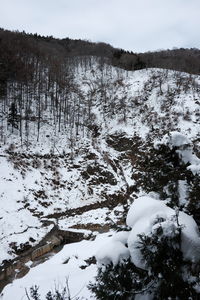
x,y
137,25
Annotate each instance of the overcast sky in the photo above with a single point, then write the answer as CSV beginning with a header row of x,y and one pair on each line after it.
x,y
137,25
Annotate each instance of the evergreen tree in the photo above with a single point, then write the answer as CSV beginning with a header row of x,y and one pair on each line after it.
x,y
122,281
13,116
161,249
194,201
167,274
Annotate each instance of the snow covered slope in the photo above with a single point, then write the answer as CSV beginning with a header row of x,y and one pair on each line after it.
x,y
94,162
71,263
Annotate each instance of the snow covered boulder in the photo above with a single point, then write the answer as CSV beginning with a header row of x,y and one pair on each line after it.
x,y
146,214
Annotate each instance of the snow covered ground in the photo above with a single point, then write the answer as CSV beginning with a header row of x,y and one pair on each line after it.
x,y
34,186
70,263
75,261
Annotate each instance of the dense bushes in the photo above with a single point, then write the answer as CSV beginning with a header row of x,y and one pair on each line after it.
x,y
165,274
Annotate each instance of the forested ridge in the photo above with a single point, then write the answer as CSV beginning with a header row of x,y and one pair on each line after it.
x,y
55,51
36,72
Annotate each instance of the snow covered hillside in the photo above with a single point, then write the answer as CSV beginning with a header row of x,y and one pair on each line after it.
x,y
76,266
78,159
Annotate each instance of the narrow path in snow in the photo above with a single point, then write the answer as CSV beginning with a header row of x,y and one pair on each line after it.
x,y
111,202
